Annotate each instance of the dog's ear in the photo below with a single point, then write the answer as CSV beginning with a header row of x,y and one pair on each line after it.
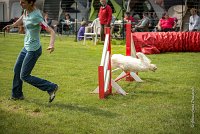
x,y
143,58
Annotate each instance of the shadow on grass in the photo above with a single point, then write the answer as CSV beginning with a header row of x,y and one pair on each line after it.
x,y
138,87
153,92
153,80
79,108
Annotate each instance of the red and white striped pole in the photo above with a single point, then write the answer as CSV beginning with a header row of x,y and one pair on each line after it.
x,y
102,71
128,48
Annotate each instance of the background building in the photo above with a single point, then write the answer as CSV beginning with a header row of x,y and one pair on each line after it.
x,y
88,9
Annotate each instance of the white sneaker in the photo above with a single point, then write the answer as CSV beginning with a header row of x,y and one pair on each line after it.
x,y
52,95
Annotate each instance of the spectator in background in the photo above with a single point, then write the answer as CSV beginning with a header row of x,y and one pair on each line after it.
x,y
65,23
81,31
166,23
67,26
143,25
194,21
128,17
136,17
105,17
47,19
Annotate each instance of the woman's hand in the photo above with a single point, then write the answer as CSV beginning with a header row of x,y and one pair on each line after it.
x,y
50,49
8,27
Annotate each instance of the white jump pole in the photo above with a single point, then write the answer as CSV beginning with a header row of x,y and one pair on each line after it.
x,y
105,73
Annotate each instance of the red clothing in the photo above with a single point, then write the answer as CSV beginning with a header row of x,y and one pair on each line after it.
x,y
130,18
167,23
105,15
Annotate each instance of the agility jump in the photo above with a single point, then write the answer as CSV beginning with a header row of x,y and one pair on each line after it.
x,y
130,65
104,71
130,51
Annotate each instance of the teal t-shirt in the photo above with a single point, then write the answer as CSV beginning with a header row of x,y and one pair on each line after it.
x,y
32,28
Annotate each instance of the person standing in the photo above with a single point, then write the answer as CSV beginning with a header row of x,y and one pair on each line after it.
x,y
194,21
32,21
105,17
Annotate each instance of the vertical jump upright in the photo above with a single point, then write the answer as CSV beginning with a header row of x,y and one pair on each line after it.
x,y
105,81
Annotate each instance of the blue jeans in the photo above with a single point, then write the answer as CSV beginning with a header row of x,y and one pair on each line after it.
x,y
22,72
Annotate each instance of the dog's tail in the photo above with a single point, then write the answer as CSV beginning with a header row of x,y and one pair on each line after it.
x,y
143,58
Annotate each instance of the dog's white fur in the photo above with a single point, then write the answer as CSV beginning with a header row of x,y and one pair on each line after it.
x,y
131,64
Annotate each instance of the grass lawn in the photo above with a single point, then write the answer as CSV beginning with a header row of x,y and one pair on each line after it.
x,y
162,104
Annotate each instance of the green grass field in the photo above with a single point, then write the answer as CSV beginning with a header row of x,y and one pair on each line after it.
x,y
162,104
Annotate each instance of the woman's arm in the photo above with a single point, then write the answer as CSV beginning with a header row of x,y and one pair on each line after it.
x,y
174,26
52,38
15,24
159,26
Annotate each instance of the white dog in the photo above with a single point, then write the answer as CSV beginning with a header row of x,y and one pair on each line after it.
x,y
131,64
